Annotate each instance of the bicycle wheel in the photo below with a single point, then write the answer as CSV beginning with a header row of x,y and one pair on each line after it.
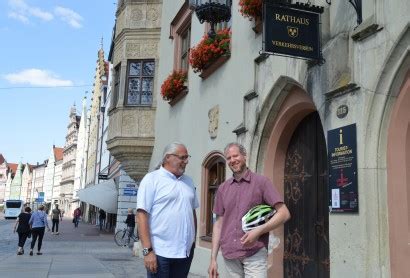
x,y
121,237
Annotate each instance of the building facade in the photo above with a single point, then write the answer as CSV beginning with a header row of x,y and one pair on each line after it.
x,y
284,111
69,161
3,178
50,182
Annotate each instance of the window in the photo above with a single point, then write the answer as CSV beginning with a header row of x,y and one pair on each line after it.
x,y
185,39
140,82
213,175
180,31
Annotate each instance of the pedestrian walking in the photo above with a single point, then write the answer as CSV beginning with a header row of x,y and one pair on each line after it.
x,y
22,227
101,218
166,218
56,216
130,221
76,217
244,247
38,223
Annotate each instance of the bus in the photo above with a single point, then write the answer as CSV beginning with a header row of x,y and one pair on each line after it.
x,y
12,208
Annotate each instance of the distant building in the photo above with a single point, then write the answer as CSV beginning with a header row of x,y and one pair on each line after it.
x,y
69,161
26,183
37,181
15,186
3,178
50,172
11,171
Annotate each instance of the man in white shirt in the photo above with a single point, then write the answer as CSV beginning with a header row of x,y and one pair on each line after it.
x,y
166,215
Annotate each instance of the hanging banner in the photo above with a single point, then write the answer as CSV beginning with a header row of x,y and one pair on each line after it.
x,y
342,159
292,32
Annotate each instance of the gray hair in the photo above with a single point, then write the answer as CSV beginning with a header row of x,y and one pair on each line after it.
x,y
169,149
241,148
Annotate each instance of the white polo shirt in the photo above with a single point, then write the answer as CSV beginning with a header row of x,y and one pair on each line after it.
x,y
169,202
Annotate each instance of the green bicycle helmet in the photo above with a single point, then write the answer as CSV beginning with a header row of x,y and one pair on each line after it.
x,y
257,216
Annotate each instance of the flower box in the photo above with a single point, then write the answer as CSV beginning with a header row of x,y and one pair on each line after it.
x,y
251,8
174,86
214,65
205,55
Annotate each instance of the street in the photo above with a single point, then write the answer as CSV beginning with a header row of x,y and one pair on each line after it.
x,y
80,252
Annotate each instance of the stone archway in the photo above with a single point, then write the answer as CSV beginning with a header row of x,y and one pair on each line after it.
x,y
281,113
388,133
398,182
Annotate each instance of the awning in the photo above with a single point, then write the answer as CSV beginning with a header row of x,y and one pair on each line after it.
x,y
103,195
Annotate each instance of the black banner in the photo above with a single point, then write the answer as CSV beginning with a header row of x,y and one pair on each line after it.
x,y
292,32
342,158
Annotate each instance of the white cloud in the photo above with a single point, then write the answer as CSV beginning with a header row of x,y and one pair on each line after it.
x,y
37,77
18,17
69,16
22,12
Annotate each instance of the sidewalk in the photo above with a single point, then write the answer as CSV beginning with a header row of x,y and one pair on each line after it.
x,y
82,252
76,252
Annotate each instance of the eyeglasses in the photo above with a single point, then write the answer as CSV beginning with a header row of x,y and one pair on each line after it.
x,y
182,157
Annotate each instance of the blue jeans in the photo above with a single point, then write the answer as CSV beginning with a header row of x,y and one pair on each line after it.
x,y
172,268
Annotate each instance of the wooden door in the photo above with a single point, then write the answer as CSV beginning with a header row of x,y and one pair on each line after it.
x,y
306,234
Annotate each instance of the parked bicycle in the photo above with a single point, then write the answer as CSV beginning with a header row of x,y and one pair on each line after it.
x,y
123,237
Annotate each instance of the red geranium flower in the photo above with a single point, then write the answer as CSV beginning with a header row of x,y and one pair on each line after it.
x,y
251,8
173,84
209,49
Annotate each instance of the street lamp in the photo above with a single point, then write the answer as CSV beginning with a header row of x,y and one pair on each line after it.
x,y
211,11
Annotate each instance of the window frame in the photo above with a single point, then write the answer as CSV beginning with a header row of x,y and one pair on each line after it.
x,y
214,159
140,77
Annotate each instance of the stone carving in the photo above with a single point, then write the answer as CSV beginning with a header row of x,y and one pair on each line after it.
x,y
133,50
213,115
128,124
149,50
120,23
152,14
137,14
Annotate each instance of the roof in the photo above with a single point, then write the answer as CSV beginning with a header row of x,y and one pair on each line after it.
x,y
13,168
1,159
58,153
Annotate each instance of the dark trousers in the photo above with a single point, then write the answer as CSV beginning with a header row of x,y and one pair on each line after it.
x,y
55,224
170,268
76,220
37,232
102,222
23,238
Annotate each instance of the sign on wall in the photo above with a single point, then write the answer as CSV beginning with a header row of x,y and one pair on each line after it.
x,y
342,159
292,32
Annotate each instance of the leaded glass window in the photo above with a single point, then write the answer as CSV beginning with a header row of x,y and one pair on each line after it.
x,y
140,82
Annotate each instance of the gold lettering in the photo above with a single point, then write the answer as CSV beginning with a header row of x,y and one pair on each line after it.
x,y
292,19
293,46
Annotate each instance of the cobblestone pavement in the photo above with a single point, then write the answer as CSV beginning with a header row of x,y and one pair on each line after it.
x,y
86,240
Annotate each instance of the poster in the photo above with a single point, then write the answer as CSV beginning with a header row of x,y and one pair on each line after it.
x,y
342,159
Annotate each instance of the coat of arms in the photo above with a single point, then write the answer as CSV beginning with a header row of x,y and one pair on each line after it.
x,y
293,31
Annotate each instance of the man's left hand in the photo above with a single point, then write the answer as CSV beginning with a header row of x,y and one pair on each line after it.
x,y
249,238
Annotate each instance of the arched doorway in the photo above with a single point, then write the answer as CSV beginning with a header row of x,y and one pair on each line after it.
x,y
306,235
282,112
398,182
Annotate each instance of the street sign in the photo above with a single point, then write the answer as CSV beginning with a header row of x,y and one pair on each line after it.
x,y
130,191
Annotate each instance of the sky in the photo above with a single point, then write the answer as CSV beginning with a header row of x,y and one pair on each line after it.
x,y
48,55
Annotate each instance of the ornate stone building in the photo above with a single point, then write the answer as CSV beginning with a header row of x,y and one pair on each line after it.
x,y
69,161
80,164
286,112
134,55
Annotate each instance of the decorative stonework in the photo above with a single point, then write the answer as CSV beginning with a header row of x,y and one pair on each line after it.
x,y
137,14
152,14
133,50
213,116
120,23
149,49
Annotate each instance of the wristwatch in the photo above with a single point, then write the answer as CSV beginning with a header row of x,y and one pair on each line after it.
x,y
145,251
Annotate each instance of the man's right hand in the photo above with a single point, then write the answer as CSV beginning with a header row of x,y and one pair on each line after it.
x,y
150,262
213,269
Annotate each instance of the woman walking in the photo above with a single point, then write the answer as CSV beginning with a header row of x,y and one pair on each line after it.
x,y
38,223
22,227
